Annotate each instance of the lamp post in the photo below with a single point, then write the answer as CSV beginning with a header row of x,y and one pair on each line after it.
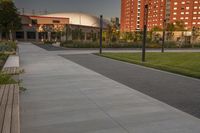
x,y
145,32
163,39
101,33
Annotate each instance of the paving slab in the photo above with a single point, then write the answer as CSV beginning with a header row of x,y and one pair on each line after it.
x,y
176,90
12,61
65,97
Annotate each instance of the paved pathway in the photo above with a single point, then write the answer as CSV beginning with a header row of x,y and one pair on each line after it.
x,y
64,97
176,90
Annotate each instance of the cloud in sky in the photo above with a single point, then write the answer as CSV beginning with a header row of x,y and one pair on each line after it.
x,y
109,8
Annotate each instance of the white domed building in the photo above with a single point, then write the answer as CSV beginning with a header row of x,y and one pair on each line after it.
x,y
81,19
73,26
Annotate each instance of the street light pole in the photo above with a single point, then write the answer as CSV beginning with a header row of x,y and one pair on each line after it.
x,y
163,39
101,34
145,33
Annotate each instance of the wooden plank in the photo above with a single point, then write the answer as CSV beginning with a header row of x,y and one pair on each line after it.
x,y
11,70
1,92
15,124
14,71
8,113
3,106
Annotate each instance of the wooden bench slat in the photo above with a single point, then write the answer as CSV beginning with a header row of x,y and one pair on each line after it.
x,y
3,107
15,125
1,92
11,70
8,113
14,71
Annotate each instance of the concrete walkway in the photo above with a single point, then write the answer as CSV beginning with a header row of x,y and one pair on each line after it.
x,y
64,97
176,90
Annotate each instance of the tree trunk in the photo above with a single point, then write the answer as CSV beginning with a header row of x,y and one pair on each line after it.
x,y
7,36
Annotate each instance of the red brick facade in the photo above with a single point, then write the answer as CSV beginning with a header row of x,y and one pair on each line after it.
x,y
187,11
131,15
159,10
156,13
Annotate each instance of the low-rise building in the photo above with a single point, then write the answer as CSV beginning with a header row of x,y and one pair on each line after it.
x,y
58,27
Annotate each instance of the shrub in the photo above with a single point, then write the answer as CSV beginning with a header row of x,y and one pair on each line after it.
x,y
153,45
186,46
3,58
6,79
196,45
170,44
8,46
79,44
48,42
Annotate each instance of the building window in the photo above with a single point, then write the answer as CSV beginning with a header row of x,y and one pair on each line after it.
x,y
34,21
20,35
31,35
56,21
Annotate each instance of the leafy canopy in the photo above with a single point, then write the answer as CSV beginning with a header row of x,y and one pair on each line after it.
x,y
9,17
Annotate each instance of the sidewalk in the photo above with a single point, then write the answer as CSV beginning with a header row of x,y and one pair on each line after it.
x,y
64,97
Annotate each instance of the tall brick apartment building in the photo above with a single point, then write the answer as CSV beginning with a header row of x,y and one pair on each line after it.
x,y
159,10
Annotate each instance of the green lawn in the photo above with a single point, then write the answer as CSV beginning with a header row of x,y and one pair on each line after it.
x,y
182,63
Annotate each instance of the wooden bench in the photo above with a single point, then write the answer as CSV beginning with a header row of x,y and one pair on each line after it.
x,y
9,109
11,70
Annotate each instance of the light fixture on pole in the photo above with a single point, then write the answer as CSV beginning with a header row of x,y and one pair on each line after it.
x,y
163,39
101,34
145,32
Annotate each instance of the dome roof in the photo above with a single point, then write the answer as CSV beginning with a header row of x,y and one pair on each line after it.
x,y
78,18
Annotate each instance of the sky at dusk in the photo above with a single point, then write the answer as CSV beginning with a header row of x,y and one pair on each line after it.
x,y
109,8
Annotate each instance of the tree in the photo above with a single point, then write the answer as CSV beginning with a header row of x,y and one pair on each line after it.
x,y
152,32
68,32
9,18
170,29
195,33
112,33
179,25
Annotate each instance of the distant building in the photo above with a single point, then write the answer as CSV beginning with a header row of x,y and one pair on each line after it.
x,y
187,11
131,15
159,10
115,20
46,27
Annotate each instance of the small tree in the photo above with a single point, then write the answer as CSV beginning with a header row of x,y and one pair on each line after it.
x,y
179,25
9,18
68,32
152,32
195,33
170,29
